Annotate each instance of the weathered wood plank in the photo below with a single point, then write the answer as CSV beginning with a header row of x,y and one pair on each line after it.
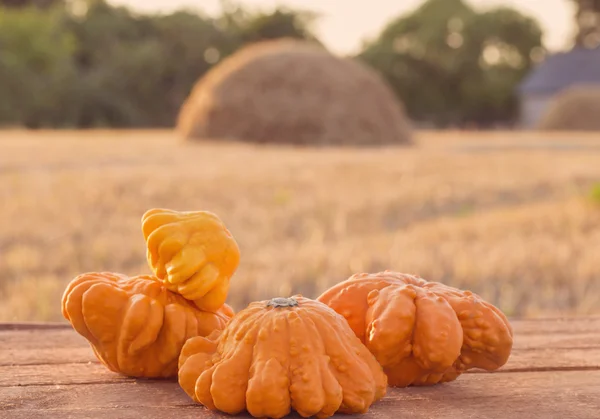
x,y
32,346
557,341
546,359
50,371
41,338
159,412
532,351
514,395
34,326
94,372
47,356
59,374
564,325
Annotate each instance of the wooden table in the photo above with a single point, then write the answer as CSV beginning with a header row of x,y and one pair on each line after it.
x,y
48,371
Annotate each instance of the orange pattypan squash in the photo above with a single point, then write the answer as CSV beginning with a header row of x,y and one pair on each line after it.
x,y
421,332
135,325
193,253
283,354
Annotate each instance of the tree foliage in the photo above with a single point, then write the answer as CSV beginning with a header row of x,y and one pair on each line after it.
x,y
453,65
29,3
36,65
86,63
588,23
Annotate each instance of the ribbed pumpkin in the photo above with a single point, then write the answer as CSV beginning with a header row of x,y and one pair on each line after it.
x,y
421,332
135,325
283,354
193,253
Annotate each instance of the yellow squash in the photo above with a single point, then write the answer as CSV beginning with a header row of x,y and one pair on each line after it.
x,y
135,325
193,253
281,355
421,332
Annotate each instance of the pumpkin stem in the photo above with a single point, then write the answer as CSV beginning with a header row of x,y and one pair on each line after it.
x,y
282,302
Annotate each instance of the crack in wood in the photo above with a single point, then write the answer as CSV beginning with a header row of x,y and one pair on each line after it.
x,y
536,369
123,379
37,364
33,326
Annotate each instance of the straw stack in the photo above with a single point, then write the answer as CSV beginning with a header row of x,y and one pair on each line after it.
x,y
293,92
575,109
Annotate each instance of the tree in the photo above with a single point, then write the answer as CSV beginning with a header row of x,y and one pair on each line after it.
x,y
280,23
588,23
27,3
86,63
191,45
136,70
252,25
507,45
117,59
36,66
452,65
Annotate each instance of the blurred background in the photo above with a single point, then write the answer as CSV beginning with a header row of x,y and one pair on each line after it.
x,y
457,140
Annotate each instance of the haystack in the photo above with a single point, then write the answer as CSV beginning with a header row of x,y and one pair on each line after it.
x,y
575,109
294,92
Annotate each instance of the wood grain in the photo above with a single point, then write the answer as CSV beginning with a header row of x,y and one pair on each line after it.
x,y
514,395
543,345
58,374
563,326
553,372
94,372
34,325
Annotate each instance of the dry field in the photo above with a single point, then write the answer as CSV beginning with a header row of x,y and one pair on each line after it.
x,y
514,217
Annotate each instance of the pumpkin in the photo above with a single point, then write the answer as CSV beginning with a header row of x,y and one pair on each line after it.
x,y
135,326
193,253
283,354
421,332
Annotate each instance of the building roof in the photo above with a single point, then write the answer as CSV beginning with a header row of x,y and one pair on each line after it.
x,y
563,70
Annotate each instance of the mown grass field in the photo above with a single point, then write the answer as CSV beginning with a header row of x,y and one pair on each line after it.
x,y
514,217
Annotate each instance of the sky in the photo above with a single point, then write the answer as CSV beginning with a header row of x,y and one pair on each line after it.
x,y
343,27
